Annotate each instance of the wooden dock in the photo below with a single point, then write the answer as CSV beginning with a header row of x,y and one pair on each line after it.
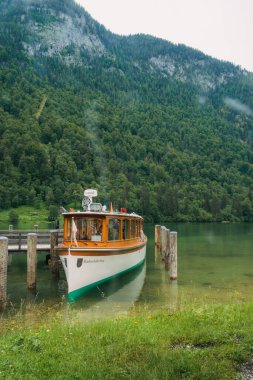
x,y
29,242
17,239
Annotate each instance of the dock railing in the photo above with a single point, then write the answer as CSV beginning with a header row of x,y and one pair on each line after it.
x,y
17,239
28,242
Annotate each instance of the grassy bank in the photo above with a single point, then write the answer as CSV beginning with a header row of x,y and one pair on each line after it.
x,y
204,343
28,217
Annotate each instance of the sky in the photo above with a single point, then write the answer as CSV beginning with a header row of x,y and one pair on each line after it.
x,y
220,28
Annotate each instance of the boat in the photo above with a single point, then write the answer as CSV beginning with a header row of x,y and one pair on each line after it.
x,y
99,244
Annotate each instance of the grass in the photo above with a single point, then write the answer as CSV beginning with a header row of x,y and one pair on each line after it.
x,y
202,343
28,217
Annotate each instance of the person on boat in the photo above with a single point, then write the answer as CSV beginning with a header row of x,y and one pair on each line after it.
x,y
115,229
74,232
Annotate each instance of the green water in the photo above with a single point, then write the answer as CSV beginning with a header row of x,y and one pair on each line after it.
x,y
215,264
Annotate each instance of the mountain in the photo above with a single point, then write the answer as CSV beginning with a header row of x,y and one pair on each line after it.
x,y
159,128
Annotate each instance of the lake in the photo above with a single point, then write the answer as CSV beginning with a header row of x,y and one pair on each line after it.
x,y
215,264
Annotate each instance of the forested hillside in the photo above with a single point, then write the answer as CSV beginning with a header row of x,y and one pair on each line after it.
x,y
158,128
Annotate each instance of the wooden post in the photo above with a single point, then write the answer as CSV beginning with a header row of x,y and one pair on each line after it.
x,y
167,252
157,242
157,230
161,241
31,260
19,241
159,237
164,242
54,258
3,270
173,255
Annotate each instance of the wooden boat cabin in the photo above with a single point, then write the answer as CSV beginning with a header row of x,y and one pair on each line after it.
x,y
94,229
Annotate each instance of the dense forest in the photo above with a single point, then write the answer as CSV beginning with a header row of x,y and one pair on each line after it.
x,y
169,145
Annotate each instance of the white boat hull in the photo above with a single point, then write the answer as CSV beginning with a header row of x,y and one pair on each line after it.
x,y
84,272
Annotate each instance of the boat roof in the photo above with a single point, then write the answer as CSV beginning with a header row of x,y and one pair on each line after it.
x,y
101,213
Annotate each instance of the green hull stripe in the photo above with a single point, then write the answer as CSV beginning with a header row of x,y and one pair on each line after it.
x,y
72,296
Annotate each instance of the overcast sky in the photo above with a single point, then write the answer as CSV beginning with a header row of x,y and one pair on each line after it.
x,y
220,28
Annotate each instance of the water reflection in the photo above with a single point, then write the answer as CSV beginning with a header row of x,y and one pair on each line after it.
x,y
215,264
114,298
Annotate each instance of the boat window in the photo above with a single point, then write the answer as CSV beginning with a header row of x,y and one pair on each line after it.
x,y
86,229
138,228
133,229
126,232
113,229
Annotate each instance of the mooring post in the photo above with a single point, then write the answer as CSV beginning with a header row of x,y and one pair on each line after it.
x,y
3,270
159,237
157,242
167,253
173,255
19,241
157,229
31,260
161,241
54,258
164,242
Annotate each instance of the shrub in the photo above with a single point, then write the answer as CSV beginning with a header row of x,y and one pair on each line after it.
x,y
53,213
13,217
